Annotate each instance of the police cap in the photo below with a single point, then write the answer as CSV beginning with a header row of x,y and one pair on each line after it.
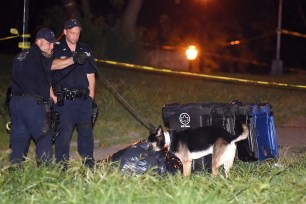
x,y
46,34
71,23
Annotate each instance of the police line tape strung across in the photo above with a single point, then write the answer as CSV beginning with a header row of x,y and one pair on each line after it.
x,y
213,77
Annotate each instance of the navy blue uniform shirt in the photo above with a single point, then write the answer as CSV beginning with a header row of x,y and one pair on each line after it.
x,y
75,76
32,72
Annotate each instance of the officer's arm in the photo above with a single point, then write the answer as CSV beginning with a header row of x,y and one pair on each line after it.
x,y
92,82
52,95
58,64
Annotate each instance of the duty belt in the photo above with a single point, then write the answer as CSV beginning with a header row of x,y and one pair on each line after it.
x,y
71,94
40,99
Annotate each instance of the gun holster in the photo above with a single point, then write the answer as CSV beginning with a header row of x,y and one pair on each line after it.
x,y
53,118
58,91
95,111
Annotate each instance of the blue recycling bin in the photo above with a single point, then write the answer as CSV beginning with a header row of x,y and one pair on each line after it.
x,y
264,132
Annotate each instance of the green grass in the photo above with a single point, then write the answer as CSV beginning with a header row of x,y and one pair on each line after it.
x,y
272,181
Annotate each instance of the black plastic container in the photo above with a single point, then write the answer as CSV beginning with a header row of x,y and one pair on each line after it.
x,y
261,143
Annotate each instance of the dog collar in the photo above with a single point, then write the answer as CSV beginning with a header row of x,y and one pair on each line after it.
x,y
167,138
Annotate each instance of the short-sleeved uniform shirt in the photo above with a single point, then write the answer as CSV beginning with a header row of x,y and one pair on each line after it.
x,y
32,72
75,76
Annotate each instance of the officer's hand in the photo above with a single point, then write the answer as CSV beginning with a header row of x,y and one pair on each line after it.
x,y
79,58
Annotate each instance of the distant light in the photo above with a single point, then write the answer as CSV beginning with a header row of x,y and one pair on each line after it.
x,y
235,42
191,52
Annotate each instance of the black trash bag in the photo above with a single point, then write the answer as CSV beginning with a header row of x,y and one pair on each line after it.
x,y
171,162
139,158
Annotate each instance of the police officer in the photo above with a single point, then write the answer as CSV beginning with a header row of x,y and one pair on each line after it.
x,y
75,91
31,78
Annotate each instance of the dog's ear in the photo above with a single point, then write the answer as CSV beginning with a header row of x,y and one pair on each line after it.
x,y
159,131
152,129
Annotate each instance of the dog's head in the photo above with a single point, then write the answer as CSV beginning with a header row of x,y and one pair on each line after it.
x,y
157,138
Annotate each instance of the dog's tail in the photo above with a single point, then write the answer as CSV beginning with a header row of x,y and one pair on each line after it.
x,y
243,135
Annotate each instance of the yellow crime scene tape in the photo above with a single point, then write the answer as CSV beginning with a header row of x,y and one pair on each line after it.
x,y
22,45
9,37
287,32
184,73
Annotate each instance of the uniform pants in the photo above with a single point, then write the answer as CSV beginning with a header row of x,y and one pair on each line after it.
x,y
27,122
75,114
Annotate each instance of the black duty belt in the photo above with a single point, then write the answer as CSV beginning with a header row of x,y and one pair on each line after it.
x,y
71,94
38,98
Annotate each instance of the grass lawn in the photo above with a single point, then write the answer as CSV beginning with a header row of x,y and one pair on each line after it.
x,y
272,181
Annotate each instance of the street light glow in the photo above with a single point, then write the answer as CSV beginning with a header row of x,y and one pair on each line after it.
x,y
235,42
191,52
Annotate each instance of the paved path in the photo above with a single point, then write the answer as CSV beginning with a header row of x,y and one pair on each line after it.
x,y
294,136
102,153
291,140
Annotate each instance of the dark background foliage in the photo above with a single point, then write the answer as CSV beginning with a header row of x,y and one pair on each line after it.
x,y
212,24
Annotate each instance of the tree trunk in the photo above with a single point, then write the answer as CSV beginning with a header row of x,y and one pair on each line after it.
x,y
130,18
86,9
71,8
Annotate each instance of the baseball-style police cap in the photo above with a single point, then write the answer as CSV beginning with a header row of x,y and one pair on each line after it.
x,y
71,23
46,34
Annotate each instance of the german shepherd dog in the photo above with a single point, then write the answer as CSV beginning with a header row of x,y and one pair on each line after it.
x,y
195,143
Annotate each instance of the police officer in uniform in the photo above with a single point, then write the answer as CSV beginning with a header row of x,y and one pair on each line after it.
x,y
75,91
30,98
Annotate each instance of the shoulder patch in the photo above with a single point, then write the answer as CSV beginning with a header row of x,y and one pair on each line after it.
x,y
21,56
88,54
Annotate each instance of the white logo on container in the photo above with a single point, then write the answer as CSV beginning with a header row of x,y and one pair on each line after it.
x,y
184,119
